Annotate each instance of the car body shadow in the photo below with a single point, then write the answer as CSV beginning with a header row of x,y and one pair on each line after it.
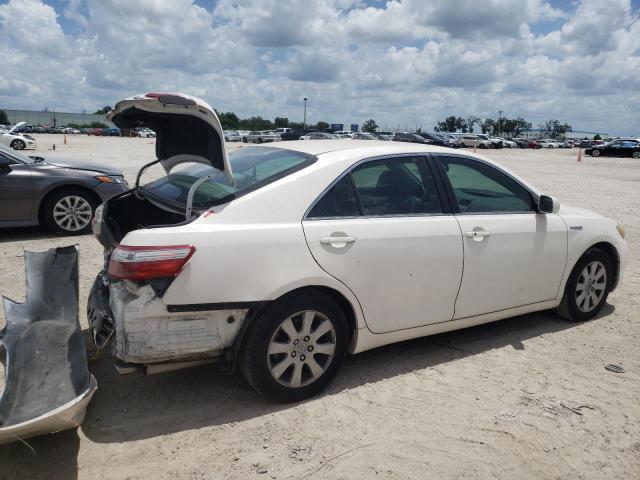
x,y
131,407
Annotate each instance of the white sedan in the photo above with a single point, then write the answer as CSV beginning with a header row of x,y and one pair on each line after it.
x,y
17,141
282,259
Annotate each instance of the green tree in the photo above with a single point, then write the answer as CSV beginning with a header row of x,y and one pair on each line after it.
x,y
104,110
596,137
255,123
449,124
370,126
4,120
282,122
322,125
97,125
228,120
471,121
488,126
553,128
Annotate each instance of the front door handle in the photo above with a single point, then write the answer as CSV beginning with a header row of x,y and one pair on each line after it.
x,y
478,235
337,242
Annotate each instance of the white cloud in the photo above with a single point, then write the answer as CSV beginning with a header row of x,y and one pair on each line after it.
x,y
403,63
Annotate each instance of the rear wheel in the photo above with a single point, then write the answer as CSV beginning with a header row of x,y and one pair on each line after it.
x,y
588,287
595,153
295,347
69,211
18,145
636,155
244,139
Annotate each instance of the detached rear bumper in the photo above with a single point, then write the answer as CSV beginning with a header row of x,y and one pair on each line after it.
x,y
48,385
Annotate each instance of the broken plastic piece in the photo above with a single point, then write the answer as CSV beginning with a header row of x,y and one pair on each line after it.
x,y
47,381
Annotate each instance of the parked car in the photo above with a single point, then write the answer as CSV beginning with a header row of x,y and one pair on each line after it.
x,y
437,139
312,250
145,133
526,143
505,143
362,136
318,136
17,141
384,137
111,132
548,143
472,140
60,194
261,137
409,138
620,148
232,136
295,134
495,143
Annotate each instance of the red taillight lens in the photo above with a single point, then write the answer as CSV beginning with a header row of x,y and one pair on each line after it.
x,y
141,263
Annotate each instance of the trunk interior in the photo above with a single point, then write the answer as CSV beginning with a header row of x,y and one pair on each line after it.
x,y
128,212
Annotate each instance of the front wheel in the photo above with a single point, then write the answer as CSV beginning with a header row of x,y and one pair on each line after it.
x,y
295,347
69,211
259,139
18,145
595,153
636,155
244,139
588,287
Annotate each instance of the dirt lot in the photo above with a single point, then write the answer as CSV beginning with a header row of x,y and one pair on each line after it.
x,y
525,397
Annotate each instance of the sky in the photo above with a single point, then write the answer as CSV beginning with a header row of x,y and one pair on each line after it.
x,y
406,63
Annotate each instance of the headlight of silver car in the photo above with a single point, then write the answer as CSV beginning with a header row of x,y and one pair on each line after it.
x,y
110,178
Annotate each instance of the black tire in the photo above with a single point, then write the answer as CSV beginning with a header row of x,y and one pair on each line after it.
x,y
18,145
244,139
595,153
636,155
568,307
259,139
47,213
253,361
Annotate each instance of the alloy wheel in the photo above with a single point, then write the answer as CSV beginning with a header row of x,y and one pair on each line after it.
x,y
72,213
636,154
591,286
301,349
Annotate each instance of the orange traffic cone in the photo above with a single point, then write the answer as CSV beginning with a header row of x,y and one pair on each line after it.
x,y
580,155
65,138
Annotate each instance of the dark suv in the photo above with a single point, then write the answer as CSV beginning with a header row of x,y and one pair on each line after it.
x,y
411,138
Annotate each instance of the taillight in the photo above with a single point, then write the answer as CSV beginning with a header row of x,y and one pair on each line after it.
x,y
141,263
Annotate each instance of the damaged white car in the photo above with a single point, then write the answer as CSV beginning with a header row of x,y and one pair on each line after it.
x,y
282,259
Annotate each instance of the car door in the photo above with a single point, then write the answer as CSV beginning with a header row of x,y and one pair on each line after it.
x,y
513,256
383,230
16,190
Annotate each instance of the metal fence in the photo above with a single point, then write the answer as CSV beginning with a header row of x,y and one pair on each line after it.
x,y
53,119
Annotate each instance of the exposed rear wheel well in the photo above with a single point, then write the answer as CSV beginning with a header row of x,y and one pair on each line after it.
x,y
90,192
612,253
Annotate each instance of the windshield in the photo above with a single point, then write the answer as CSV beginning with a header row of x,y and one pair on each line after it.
x,y
252,167
12,154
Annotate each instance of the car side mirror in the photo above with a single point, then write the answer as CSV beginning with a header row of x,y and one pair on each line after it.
x,y
5,165
548,204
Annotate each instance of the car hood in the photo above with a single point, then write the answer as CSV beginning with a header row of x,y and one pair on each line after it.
x,y
187,128
75,165
17,125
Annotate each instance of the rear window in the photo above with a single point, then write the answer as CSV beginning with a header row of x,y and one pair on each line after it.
x,y
253,168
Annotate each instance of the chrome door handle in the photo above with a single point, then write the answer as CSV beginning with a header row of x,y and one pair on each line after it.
x,y
478,235
337,242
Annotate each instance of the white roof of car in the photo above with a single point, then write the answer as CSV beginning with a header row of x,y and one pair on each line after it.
x,y
364,147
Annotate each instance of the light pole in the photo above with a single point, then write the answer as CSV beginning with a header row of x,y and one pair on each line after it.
x,y
304,120
499,120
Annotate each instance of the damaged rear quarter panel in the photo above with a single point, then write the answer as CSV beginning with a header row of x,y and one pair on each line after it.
x,y
145,332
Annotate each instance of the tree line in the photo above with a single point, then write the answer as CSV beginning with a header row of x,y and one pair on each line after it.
x,y
512,127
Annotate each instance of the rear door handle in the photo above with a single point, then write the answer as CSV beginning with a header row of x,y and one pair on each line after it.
x,y
337,242
478,235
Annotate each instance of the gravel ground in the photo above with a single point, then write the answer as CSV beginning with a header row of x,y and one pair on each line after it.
x,y
524,397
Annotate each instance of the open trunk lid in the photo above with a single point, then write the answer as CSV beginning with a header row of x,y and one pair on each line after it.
x,y
187,128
